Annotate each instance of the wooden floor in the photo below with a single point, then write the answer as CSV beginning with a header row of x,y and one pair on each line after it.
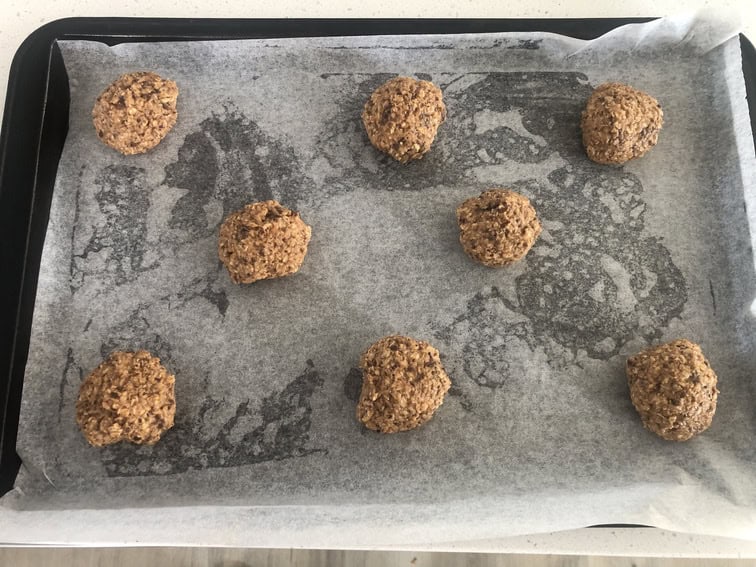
x,y
200,557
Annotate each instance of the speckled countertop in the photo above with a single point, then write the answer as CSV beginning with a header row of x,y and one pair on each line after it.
x,y
19,18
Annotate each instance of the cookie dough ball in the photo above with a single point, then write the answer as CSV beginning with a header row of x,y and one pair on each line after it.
x,y
403,383
498,227
135,112
129,397
402,117
261,241
620,123
674,389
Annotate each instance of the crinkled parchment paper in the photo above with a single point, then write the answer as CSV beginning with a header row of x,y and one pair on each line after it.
x,y
538,432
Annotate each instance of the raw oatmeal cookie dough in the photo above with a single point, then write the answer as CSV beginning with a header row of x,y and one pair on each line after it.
x,y
620,123
498,227
403,383
135,112
402,117
674,389
129,397
261,241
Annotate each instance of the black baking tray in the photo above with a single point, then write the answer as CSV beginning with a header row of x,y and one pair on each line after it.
x,y
35,124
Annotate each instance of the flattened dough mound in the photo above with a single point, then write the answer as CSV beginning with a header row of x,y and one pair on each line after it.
x,y
674,389
402,117
261,241
498,227
135,112
403,384
129,397
620,123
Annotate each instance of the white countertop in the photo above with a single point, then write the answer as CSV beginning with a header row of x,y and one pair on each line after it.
x,y
19,18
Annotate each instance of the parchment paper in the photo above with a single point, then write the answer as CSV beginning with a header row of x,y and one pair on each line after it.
x,y
538,432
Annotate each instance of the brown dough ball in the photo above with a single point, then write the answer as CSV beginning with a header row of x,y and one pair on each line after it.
x,y
129,397
261,241
403,383
498,227
402,117
135,112
620,123
674,389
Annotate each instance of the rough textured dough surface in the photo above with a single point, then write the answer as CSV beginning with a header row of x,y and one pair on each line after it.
x,y
620,123
261,241
129,397
403,383
135,112
674,389
402,117
498,227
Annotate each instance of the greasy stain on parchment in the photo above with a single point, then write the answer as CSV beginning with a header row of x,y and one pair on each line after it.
x,y
275,428
597,280
254,431
232,161
227,160
117,248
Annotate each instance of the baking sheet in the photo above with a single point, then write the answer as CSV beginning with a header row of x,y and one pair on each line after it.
x,y
538,433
